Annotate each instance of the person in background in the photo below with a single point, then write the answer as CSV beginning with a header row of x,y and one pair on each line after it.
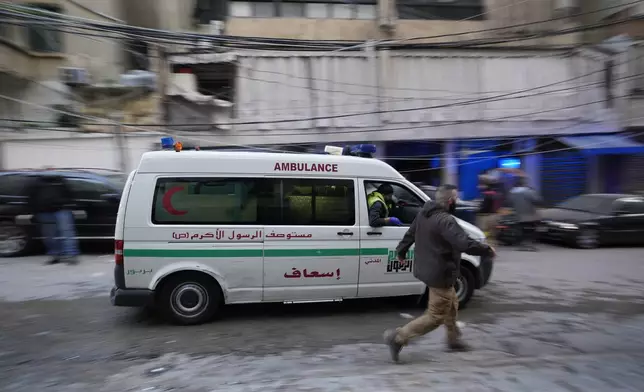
x,y
380,203
524,201
439,240
50,199
490,205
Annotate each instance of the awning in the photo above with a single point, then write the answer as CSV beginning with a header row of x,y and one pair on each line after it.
x,y
603,144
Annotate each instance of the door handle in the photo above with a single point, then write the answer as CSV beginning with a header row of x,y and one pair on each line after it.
x,y
345,233
374,233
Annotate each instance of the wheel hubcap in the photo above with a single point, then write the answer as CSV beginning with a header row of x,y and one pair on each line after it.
x,y
12,240
189,300
461,288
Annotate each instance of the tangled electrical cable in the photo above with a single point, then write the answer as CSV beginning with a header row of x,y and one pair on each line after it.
x,y
154,35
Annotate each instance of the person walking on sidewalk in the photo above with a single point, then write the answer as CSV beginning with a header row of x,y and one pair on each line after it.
x,y
50,199
439,243
525,200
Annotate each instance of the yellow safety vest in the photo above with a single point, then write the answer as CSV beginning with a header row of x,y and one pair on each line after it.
x,y
376,196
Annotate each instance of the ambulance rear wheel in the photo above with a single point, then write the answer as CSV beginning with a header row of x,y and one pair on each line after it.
x,y
190,298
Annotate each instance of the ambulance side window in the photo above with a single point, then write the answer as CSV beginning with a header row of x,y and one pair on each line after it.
x,y
253,201
206,201
318,202
407,202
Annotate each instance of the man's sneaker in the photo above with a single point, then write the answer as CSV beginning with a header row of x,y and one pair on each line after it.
x,y
458,346
52,261
394,347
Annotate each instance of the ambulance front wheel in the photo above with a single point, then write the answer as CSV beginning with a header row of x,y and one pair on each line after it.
x,y
190,298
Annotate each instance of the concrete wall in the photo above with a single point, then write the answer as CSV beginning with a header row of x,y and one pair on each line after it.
x,y
407,96
103,57
80,151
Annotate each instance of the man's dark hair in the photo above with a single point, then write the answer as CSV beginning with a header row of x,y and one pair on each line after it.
x,y
386,189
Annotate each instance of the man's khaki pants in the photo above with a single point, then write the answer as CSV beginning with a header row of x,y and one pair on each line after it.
x,y
442,309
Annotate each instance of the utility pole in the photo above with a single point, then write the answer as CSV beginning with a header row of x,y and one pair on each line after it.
x,y
117,119
163,84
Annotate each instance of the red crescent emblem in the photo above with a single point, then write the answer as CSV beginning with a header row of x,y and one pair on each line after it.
x,y
167,201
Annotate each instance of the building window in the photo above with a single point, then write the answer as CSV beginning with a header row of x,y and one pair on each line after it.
x,y
317,10
342,11
137,55
206,10
360,9
249,201
215,79
42,39
441,9
292,10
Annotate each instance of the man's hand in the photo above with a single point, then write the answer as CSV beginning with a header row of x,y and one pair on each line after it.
x,y
394,221
492,251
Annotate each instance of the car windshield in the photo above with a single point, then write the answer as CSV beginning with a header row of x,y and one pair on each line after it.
x,y
588,203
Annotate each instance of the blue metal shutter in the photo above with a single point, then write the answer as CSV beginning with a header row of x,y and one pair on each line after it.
x,y
632,175
563,176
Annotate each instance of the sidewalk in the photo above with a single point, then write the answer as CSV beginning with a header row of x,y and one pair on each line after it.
x,y
28,278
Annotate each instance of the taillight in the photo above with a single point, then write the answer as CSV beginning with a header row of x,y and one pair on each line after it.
x,y
118,252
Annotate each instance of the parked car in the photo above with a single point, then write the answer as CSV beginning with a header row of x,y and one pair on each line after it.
x,y
97,196
465,210
592,220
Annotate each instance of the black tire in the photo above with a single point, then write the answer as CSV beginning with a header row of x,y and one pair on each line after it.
x,y
587,238
189,299
465,286
14,240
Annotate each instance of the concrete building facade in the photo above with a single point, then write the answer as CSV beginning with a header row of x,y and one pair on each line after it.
x,y
30,58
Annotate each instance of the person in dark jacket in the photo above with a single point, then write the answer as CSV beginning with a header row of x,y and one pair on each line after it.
x,y
525,201
437,259
50,199
380,203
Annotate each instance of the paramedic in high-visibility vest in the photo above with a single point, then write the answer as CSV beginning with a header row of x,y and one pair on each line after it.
x,y
380,204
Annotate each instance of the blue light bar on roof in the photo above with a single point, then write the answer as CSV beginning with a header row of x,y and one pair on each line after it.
x,y
363,149
167,143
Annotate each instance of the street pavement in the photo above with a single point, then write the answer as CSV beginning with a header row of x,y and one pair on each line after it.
x,y
557,320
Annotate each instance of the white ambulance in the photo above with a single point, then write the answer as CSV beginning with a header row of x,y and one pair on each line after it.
x,y
200,229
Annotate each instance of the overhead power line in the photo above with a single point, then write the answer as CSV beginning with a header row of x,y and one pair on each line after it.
x,y
277,44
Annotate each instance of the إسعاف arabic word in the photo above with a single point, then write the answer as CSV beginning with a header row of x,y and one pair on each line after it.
x,y
296,274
